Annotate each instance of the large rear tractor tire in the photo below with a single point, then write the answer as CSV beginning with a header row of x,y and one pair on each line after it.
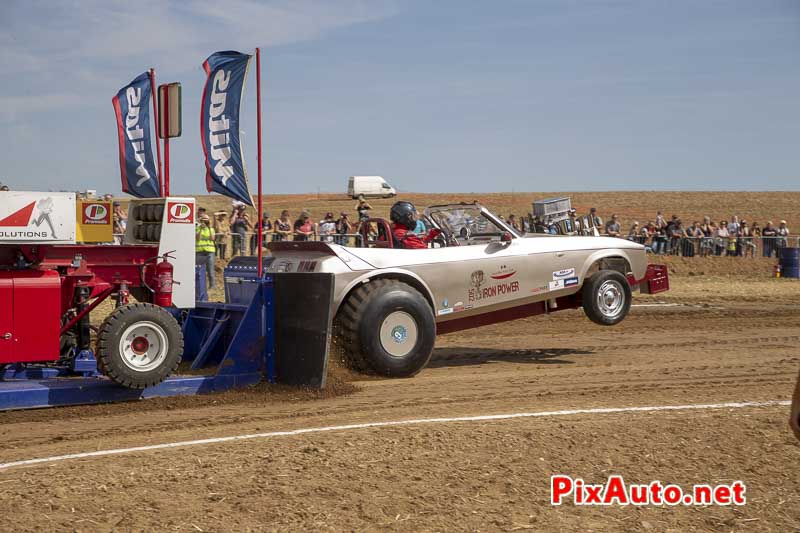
x,y
606,297
388,327
139,345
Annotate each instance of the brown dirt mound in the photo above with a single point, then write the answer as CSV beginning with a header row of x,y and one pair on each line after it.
x,y
338,383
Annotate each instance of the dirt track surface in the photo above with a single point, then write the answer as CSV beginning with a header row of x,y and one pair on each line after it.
x,y
716,340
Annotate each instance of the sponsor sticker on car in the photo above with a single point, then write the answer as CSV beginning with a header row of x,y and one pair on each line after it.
x,y
493,291
480,292
564,273
569,282
445,311
503,273
557,284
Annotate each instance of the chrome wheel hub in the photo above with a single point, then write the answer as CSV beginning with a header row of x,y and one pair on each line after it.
x,y
610,298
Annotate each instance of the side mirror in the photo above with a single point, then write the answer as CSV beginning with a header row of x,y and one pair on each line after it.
x,y
506,237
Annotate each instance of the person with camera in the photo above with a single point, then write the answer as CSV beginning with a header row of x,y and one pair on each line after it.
x,y
343,227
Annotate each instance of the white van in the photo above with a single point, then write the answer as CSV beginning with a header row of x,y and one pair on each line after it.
x,y
369,186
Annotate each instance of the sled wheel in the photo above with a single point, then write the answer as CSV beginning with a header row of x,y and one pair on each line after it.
x,y
139,345
606,297
388,327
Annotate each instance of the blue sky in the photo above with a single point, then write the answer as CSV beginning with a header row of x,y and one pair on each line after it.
x,y
435,96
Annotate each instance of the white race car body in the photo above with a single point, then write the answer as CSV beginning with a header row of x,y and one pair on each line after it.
x,y
483,272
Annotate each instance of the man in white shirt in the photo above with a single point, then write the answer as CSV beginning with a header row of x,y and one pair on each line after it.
x,y
327,228
733,226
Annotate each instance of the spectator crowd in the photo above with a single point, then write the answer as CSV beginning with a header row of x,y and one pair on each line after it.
x,y
239,229
729,237
661,235
223,234
235,232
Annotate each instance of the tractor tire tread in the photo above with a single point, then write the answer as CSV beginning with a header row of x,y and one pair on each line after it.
x,y
351,315
349,319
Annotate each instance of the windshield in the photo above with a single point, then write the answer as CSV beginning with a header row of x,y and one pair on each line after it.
x,y
467,224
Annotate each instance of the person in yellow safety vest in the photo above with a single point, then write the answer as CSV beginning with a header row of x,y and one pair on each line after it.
x,y
204,247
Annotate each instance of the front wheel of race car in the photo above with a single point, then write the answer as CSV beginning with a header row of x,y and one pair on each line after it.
x,y
389,326
606,297
139,345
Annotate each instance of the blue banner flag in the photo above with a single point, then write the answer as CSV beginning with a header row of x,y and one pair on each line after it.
x,y
136,165
219,125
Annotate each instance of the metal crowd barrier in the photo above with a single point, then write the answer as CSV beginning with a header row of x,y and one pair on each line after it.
x,y
235,241
717,246
235,245
682,246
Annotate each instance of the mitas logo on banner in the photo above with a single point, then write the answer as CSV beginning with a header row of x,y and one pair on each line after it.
x,y
180,213
219,125
96,214
136,166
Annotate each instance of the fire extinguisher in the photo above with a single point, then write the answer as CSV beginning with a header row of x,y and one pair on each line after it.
x,y
163,283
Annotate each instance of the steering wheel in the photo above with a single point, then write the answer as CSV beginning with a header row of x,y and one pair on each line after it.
x,y
441,240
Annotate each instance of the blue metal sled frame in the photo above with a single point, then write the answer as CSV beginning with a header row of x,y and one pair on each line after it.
x,y
238,339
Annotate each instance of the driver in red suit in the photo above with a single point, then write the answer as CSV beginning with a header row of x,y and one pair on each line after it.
x,y
404,219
